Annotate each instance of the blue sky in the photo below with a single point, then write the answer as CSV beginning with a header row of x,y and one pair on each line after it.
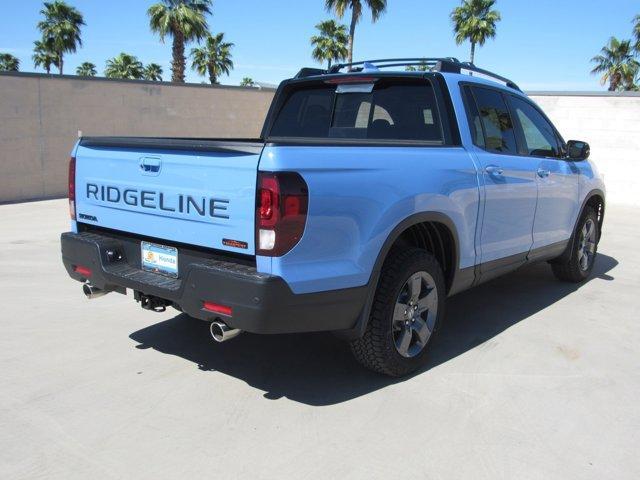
x,y
541,44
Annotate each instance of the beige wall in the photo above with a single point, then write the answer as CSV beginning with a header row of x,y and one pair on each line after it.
x,y
40,117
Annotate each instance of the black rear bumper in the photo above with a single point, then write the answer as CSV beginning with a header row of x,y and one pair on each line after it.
x,y
260,303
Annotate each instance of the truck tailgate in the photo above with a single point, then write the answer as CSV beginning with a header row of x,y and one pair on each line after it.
x,y
197,192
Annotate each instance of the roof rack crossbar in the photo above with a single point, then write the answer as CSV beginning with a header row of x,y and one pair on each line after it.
x,y
442,64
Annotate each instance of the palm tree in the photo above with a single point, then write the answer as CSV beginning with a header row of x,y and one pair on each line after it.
x,y
331,44
61,29
636,32
475,21
152,72
214,58
377,7
86,69
9,63
124,66
185,21
617,65
43,56
247,82
417,68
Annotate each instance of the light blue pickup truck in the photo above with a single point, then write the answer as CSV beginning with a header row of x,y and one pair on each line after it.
x,y
372,195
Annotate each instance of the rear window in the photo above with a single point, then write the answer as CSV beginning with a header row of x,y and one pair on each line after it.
x,y
388,111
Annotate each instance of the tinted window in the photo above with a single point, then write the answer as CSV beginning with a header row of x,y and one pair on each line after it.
x,y
538,135
495,120
391,111
475,124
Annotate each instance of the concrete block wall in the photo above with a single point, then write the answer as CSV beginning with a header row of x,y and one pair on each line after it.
x,y
40,117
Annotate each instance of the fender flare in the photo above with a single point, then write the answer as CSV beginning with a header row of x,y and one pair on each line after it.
x,y
363,319
566,255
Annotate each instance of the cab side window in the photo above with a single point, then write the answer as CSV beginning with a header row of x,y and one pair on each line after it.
x,y
496,122
538,135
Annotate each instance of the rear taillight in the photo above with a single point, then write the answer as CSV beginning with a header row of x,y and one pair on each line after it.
x,y
72,188
281,212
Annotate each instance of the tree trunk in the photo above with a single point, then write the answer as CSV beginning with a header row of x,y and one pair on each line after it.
x,y
178,62
212,76
329,66
473,51
352,34
614,80
61,64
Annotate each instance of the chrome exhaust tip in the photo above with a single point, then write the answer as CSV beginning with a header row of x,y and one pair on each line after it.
x,y
92,292
221,332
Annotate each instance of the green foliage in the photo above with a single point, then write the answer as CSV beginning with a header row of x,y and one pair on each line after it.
x,y
152,72
331,45
417,68
475,21
86,69
636,33
61,30
247,82
43,56
9,63
340,7
213,58
124,66
184,21
617,65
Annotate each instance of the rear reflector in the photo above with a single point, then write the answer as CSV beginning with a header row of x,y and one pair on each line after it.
x,y
84,271
72,188
217,308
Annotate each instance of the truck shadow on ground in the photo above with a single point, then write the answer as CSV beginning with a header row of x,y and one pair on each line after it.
x,y
318,369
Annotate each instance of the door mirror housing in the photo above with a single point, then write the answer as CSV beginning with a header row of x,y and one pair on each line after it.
x,y
578,150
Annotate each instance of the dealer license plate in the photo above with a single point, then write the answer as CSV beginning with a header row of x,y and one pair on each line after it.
x,y
159,259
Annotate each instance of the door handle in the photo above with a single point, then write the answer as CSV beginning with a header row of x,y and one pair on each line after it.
x,y
494,170
542,173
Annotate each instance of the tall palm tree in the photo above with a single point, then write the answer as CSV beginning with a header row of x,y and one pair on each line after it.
x,y
185,21
331,44
247,82
475,21
61,29
86,69
124,66
43,56
213,58
377,7
9,63
617,64
152,72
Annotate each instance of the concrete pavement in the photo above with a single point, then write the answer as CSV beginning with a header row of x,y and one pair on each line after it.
x,y
531,378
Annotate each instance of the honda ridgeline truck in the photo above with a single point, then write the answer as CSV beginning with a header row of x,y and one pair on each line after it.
x,y
372,195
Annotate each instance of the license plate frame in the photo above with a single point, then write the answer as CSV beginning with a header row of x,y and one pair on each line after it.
x,y
160,259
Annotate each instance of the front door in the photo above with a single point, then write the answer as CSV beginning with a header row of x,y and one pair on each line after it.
x,y
557,178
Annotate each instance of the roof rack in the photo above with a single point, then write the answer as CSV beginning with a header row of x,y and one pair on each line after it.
x,y
444,64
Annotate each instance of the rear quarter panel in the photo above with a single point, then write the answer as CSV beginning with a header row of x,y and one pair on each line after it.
x,y
358,195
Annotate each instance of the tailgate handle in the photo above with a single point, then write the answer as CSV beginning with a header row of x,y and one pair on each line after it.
x,y
150,165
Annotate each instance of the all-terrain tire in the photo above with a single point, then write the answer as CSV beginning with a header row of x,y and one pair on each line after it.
x,y
573,271
376,350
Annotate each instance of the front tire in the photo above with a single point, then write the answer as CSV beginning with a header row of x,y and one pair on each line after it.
x,y
407,311
585,250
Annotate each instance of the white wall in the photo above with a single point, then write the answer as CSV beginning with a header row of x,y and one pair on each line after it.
x,y
610,123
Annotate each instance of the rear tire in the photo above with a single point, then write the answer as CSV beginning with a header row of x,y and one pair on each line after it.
x,y
585,249
407,311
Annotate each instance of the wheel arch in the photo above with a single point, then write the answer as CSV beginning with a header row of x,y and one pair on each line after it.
x,y
396,234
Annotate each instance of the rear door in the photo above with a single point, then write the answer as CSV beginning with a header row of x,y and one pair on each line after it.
x,y
557,178
510,186
187,191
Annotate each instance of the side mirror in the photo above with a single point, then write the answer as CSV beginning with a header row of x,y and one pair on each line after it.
x,y
578,150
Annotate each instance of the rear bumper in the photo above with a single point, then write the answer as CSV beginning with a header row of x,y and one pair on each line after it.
x,y
260,303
